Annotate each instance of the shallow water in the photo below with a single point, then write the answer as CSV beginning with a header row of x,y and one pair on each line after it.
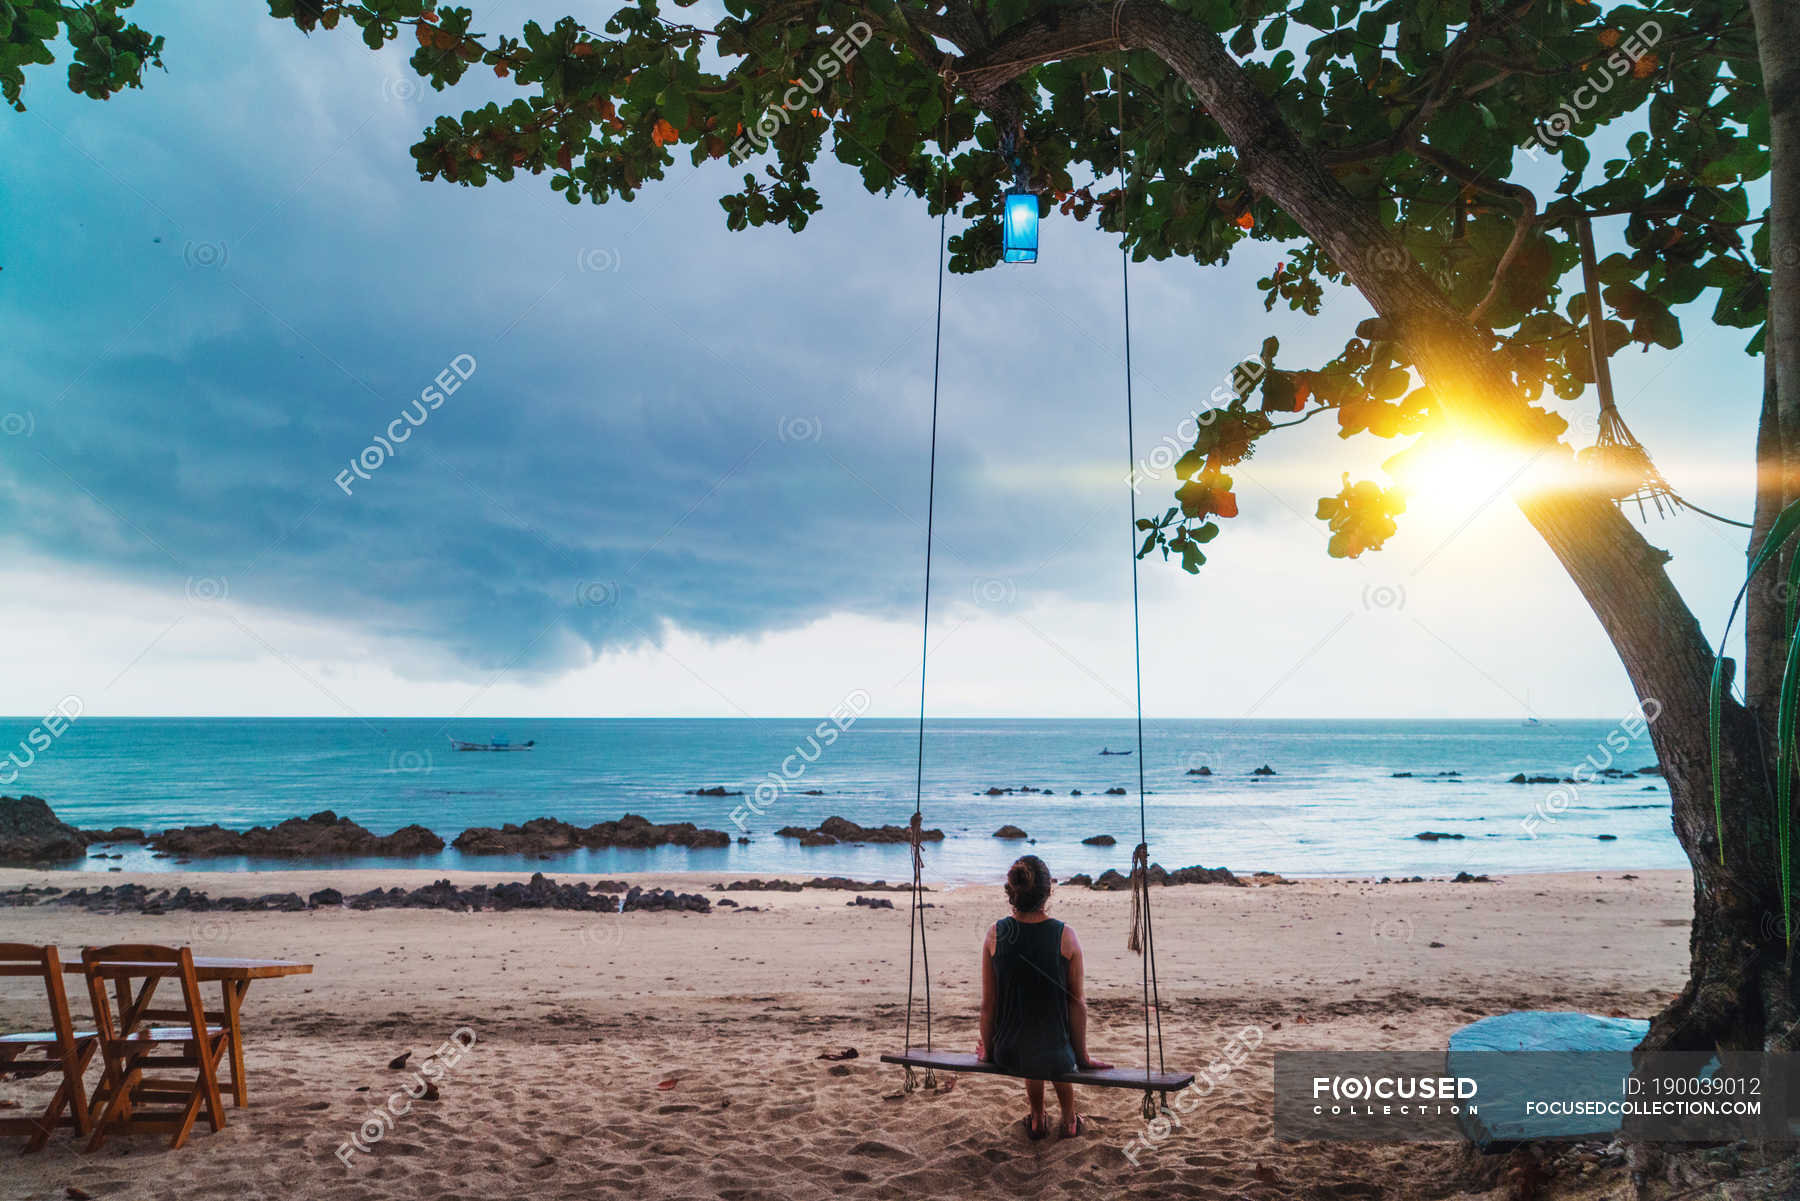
x,y
1333,806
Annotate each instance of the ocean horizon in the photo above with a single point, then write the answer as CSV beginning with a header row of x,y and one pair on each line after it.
x,y
1345,797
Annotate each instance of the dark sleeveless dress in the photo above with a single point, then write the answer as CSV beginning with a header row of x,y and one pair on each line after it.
x,y
1031,1015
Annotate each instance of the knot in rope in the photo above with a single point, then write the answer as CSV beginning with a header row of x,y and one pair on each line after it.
x,y
1140,897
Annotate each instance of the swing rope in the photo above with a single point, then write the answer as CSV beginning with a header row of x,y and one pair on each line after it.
x,y
1142,938
916,828
1143,933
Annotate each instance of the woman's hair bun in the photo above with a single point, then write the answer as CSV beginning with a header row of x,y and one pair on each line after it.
x,y
1028,884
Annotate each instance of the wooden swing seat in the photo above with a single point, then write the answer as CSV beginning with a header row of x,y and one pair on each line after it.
x,y
964,1061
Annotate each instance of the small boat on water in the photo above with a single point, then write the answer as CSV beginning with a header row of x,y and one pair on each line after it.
x,y
498,744
1110,751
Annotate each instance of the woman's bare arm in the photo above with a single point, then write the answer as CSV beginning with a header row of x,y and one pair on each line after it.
x,y
988,1002
1071,950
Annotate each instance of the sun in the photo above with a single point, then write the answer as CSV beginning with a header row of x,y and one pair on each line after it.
x,y
1461,471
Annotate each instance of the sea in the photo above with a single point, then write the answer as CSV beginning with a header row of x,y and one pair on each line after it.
x,y
1337,798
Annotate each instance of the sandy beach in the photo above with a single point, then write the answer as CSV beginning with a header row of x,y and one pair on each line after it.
x,y
677,1055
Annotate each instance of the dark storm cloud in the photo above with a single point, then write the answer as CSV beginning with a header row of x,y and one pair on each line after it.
x,y
218,305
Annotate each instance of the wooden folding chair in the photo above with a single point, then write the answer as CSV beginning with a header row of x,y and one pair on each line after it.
x,y
66,1052
130,1045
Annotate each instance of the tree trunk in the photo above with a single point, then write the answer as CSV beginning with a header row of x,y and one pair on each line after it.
x,y
1741,988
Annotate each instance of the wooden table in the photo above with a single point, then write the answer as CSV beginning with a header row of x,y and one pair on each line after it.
x,y
233,977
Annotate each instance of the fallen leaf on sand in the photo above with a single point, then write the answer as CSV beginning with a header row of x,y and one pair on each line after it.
x,y
846,1053
669,1083
431,1092
75,1194
1265,1173
1300,1019
398,1062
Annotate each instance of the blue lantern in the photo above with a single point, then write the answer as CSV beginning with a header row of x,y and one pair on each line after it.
x,y
1020,241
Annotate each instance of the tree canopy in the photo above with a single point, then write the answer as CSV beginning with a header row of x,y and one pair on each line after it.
x,y
1421,111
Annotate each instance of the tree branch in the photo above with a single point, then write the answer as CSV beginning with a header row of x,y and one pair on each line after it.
x,y
1619,574
1526,199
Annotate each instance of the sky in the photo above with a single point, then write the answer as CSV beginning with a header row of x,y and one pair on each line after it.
x,y
686,472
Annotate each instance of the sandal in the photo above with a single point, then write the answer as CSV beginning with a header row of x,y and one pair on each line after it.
x,y
1080,1127
1037,1126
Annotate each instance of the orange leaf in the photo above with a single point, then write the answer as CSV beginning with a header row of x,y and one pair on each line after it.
x,y
1224,503
663,133
563,160
669,1083
1645,67
1608,38
1246,221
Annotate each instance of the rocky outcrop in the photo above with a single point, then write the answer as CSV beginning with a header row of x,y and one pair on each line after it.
x,y
1112,880
30,833
716,790
1436,836
1202,770
540,892
1010,832
835,883
116,834
1264,770
838,829
1099,840
321,835
549,835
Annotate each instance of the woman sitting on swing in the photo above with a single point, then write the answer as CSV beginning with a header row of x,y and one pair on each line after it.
x,y
1033,1001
